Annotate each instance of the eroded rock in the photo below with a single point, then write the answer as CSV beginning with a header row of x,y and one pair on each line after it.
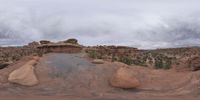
x,y
24,75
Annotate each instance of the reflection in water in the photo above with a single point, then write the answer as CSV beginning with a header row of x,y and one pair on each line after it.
x,y
63,65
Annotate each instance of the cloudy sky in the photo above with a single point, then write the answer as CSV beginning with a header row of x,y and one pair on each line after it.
x,y
139,23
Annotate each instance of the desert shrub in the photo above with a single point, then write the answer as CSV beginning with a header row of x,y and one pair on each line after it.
x,y
168,64
141,59
72,41
125,59
162,62
150,60
94,54
158,63
40,53
139,62
114,58
16,57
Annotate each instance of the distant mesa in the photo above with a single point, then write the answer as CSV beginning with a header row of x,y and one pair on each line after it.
x,y
45,42
69,41
67,46
33,44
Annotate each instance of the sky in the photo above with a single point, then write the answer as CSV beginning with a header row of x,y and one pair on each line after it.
x,y
145,24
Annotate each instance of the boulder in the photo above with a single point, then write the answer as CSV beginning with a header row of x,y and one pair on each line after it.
x,y
124,78
24,75
98,61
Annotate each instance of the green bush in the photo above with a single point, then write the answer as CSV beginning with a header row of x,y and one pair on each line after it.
x,y
94,54
126,60
163,62
158,63
114,58
139,62
72,41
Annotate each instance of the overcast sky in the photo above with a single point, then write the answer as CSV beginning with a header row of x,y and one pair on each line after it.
x,y
139,23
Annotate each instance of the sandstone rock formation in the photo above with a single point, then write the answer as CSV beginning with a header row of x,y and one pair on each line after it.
x,y
25,75
60,48
98,61
123,78
33,44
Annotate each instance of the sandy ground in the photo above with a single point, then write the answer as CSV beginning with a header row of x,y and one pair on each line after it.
x,y
73,77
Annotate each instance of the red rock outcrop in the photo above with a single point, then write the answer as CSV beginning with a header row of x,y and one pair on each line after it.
x,y
60,48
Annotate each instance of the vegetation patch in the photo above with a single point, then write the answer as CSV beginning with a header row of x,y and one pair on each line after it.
x,y
72,41
94,54
127,60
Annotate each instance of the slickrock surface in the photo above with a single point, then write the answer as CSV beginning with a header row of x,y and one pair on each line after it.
x,y
123,78
25,75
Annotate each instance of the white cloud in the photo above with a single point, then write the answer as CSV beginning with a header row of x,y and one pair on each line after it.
x,y
140,23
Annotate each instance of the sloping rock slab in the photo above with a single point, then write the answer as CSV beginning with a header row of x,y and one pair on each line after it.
x,y
124,78
24,75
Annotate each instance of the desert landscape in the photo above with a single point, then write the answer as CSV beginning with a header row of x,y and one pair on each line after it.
x,y
99,50
66,70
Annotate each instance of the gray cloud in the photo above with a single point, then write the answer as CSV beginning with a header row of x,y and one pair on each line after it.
x,y
139,23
